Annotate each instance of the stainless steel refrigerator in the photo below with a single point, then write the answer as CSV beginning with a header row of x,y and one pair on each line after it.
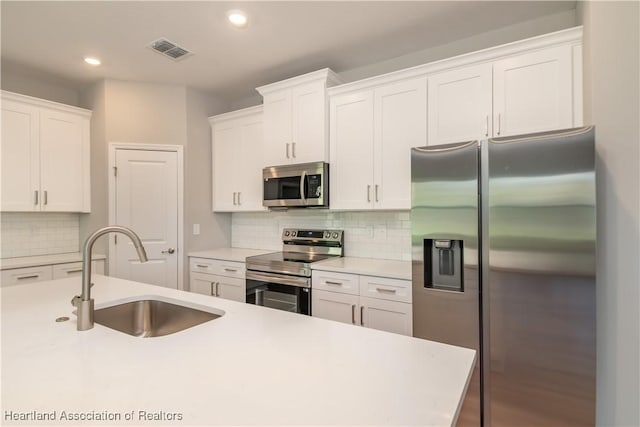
x,y
503,248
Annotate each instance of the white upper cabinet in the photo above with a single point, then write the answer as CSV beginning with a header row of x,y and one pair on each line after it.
x,y
371,134
45,156
533,92
529,86
460,104
237,160
295,119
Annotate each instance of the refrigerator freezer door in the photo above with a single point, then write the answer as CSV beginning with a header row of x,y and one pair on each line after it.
x,y
444,213
541,292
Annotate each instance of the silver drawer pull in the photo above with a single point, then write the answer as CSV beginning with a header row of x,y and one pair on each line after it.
x,y
391,291
362,315
202,266
79,270
329,282
33,276
230,270
353,314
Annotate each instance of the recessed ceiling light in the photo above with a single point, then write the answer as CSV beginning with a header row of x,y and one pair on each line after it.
x,y
92,61
237,18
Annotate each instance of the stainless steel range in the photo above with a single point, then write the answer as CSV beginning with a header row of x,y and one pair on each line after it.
x,y
282,280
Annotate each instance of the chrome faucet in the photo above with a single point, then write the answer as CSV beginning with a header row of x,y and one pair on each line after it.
x,y
84,302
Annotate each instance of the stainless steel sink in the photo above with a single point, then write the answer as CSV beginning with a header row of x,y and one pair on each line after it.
x,y
151,318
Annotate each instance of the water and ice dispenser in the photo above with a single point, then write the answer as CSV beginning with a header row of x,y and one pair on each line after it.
x,y
443,264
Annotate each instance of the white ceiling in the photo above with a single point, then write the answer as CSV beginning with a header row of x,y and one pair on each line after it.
x,y
283,39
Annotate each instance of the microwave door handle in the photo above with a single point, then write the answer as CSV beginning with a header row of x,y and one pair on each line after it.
x,y
303,179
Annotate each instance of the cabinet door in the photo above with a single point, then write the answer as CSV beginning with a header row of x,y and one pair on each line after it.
x,y
225,153
62,161
386,315
201,283
400,122
309,139
533,92
248,166
351,151
460,105
230,288
335,306
20,158
277,128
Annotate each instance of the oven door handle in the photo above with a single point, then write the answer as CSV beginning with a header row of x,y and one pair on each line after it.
x,y
301,282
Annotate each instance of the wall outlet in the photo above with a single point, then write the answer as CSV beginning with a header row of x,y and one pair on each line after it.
x,y
196,229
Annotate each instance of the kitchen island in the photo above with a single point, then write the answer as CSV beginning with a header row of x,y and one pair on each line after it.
x,y
252,366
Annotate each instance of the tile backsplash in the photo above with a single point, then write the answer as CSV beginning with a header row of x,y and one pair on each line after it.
x,y
38,233
383,235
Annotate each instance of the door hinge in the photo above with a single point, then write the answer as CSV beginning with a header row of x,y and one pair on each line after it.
x,y
115,171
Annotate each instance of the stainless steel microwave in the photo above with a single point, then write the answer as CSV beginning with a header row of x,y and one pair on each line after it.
x,y
299,185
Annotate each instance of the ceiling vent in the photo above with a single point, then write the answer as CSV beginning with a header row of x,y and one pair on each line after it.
x,y
169,49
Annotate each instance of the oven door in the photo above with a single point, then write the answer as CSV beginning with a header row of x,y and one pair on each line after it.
x,y
279,291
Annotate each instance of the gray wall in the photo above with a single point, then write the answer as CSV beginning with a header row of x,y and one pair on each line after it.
x,y
611,84
35,83
146,113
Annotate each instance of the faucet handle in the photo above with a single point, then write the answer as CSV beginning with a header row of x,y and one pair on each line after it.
x,y
75,300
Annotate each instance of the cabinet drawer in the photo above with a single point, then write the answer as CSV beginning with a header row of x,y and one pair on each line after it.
x,y
385,288
335,282
21,276
216,266
60,271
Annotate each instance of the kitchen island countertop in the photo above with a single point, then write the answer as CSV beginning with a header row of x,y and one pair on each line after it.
x,y
252,366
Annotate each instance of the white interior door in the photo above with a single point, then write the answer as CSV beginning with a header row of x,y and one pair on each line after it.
x,y
146,200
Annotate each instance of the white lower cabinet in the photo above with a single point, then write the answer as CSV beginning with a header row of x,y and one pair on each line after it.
x,y
71,269
369,301
218,278
21,276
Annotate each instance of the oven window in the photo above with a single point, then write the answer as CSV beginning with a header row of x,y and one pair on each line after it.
x,y
281,297
285,188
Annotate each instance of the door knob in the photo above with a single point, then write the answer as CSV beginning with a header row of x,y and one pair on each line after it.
x,y
168,251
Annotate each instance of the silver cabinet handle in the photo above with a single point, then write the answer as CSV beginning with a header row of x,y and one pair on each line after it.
x,y
288,151
239,198
46,197
202,266
329,282
231,270
293,150
499,120
168,251
376,191
486,129
74,271
362,315
36,200
390,291
33,276
234,198
212,291
217,289
368,193
353,314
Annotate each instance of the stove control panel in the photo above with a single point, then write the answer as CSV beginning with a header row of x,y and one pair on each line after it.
x,y
296,234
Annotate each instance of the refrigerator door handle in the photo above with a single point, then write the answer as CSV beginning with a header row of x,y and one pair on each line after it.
x,y
444,148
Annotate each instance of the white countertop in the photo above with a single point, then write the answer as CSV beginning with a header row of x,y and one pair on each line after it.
x,y
252,366
366,266
33,261
229,254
